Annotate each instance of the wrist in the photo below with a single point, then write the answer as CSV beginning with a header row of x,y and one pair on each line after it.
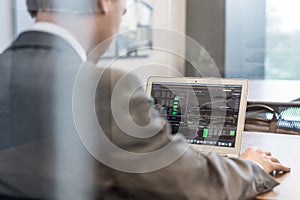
x,y
258,164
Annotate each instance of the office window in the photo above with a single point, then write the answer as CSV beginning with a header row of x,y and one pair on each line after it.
x,y
254,39
282,39
262,39
244,34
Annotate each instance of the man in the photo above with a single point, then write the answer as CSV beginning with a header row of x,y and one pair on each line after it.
x,y
43,154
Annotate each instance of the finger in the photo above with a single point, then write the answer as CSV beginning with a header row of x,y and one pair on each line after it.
x,y
259,151
273,159
251,149
268,153
280,167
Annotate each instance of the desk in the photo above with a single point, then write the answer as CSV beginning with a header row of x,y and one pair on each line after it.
x,y
287,149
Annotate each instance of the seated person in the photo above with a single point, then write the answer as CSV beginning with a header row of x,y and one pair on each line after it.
x,y
46,158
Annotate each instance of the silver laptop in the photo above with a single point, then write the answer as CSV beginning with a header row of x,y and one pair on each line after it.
x,y
209,113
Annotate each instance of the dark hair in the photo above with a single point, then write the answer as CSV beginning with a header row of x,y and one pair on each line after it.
x,y
75,6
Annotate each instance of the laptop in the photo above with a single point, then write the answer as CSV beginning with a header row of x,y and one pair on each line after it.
x,y
209,113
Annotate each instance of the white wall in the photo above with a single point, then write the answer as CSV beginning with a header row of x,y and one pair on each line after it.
x,y
23,19
11,24
6,24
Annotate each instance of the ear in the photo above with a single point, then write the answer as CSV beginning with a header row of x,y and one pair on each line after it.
x,y
103,6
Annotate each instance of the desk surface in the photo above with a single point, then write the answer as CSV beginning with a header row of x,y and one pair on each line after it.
x,y
287,149
284,147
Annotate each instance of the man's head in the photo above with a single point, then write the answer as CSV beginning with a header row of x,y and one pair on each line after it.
x,y
91,21
71,6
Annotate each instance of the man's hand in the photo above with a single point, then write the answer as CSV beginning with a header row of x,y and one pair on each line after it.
x,y
265,159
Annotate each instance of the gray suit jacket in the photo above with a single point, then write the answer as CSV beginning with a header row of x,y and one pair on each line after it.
x,y
45,157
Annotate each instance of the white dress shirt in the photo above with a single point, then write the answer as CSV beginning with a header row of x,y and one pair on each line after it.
x,y
62,33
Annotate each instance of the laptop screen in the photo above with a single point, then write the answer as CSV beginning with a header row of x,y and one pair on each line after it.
x,y
206,114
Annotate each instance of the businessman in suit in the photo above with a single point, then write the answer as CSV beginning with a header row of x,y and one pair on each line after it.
x,y
38,73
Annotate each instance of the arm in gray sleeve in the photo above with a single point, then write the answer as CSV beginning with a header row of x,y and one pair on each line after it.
x,y
163,166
